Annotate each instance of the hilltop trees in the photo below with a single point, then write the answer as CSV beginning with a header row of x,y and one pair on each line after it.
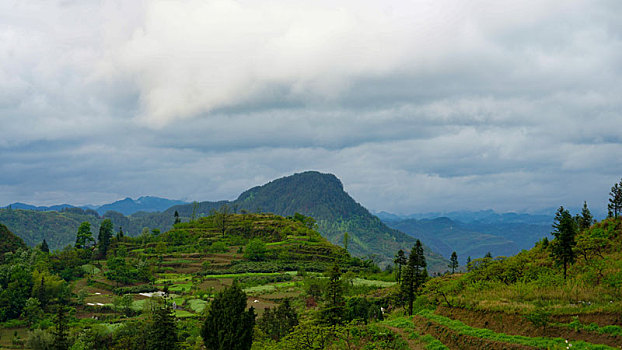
x,y
415,275
615,200
565,230
228,325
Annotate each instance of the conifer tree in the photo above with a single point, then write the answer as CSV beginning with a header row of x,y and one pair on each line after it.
x,y
44,246
60,330
415,275
453,262
162,332
228,325
565,230
400,260
105,235
584,220
333,309
280,321
177,220
615,200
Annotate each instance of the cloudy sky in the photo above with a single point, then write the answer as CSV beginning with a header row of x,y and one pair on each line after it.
x,y
415,105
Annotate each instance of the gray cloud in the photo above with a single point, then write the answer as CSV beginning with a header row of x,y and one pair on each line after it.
x,y
417,106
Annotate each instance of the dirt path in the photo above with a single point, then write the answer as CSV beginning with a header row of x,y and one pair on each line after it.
x,y
501,322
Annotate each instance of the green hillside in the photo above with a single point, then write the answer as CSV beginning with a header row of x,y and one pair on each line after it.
x,y
9,242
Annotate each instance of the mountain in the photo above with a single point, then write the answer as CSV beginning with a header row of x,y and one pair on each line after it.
x,y
322,197
129,206
499,234
25,206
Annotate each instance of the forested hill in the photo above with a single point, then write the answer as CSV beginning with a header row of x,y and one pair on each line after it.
x,y
8,241
322,197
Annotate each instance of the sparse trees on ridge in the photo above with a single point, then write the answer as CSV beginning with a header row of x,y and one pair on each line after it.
x,y
615,200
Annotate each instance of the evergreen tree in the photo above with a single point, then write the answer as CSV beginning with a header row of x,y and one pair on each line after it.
x,y
105,235
415,275
120,234
615,200
84,235
44,246
228,326
453,262
584,220
565,230
177,219
162,332
400,260
279,322
346,237
333,309
60,330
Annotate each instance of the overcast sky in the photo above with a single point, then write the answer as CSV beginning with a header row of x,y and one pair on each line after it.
x,y
416,106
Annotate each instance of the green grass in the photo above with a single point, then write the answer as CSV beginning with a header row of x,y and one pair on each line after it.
x,y
268,287
592,327
248,274
197,305
184,314
372,283
538,342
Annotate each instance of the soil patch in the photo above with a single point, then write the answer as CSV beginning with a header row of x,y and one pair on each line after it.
x,y
455,340
515,324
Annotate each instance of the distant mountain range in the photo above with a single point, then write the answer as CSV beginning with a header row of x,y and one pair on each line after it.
x,y
473,234
127,206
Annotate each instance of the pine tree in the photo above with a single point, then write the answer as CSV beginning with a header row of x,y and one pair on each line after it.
x,y
60,330
162,332
615,200
333,309
280,321
44,246
565,230
105,235
415,275
400,260
584,220
346,237
177,220
228,326
453,262
120,234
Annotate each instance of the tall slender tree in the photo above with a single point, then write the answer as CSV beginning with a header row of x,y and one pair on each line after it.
x,y
105,235
44,246
400,260
415,275
565,230
615,200
162,331
453,262
177,219
60,330
333,309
